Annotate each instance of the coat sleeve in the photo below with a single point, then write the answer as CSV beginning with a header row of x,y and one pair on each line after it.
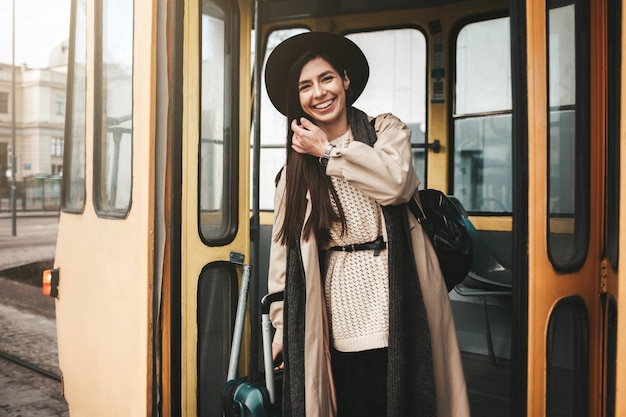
x,y
383,172
277,262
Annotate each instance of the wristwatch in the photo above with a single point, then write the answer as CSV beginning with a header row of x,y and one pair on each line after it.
x,y
326,157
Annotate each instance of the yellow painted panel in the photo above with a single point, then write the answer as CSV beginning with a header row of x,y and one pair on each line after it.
x,y
106,266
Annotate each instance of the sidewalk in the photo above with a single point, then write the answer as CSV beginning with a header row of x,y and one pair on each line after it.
x,y
4,214
35,240
28,207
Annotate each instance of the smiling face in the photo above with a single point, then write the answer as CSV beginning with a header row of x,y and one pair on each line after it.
x,y
322,93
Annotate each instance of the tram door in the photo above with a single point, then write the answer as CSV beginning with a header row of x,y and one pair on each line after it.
x,y
569,309
103,300
214,200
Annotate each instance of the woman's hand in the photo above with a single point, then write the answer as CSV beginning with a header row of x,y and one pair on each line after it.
x,y
308,138
277,349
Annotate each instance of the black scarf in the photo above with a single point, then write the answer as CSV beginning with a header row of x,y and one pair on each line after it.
x,y
410,378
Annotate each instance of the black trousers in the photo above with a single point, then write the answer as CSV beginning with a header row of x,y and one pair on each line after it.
x,y
360,382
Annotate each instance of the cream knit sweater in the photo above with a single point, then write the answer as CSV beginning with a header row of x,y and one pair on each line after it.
x,y
356,284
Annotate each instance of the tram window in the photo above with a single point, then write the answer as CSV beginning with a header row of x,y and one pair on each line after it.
x,y
483,177
75,133
273,129
568,141
218,189
614,39
397,84
567,360
113,134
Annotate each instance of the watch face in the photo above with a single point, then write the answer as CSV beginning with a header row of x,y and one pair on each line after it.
x,y
324,160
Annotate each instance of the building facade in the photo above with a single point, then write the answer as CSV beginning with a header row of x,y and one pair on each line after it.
x,y
39,120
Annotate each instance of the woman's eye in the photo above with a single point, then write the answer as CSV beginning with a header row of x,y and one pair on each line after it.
x,y
327,79
304,87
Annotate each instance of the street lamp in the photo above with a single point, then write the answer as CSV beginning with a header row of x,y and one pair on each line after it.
x,y
13,111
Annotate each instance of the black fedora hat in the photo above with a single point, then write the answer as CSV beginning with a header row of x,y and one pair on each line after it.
x,y
339,48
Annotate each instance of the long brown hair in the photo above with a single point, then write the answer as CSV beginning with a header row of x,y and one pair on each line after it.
x,y
305,174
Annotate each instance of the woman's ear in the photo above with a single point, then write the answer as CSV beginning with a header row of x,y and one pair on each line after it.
x,y
346,80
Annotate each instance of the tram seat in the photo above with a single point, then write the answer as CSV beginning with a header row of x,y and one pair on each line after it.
x,y
487,273
487,277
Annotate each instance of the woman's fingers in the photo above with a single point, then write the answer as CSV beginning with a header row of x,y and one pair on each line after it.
x,y
277,349
307,124
308,138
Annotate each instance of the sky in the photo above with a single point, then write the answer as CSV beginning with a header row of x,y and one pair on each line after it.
x,y
40,25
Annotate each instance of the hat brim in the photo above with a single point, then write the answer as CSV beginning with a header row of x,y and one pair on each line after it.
x,y
337,47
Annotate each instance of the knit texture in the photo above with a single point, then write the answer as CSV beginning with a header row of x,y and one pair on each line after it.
x,y
356,285
294,311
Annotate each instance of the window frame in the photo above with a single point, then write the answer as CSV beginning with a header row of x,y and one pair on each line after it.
x,y
68,156
454,116
582,141
614,56
231,155
102,210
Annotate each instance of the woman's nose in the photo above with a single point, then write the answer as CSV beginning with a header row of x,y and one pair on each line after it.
x,y
318,90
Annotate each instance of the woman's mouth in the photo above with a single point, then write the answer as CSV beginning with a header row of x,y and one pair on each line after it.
x,y
324,105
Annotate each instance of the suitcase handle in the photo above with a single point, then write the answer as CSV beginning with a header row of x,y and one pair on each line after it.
x,y
266,324
268,299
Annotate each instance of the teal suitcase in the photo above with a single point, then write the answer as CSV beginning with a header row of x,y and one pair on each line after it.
x,y
255,395
248,397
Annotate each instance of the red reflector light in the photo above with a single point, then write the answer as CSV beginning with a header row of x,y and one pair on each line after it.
x,y
50,282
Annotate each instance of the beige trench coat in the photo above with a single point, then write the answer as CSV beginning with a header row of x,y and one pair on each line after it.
x,y
385,173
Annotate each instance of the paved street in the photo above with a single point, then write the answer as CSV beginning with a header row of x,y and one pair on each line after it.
x,y
27,323
35,239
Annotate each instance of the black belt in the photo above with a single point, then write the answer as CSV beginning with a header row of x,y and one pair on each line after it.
x,y
375,245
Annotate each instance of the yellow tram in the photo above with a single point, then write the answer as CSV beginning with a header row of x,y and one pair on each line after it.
x,y
171,148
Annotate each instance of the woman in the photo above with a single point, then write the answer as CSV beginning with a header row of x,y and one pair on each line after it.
x,y
366,327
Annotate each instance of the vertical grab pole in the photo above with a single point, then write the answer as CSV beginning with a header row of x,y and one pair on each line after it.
x,y
256,169
239,322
